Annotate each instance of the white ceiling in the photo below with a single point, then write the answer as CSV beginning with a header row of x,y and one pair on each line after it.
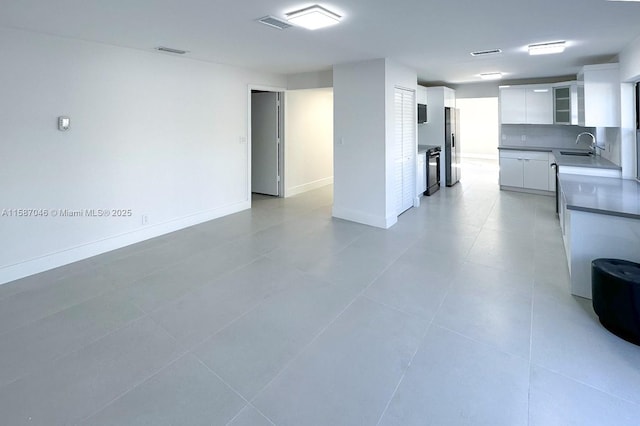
x,y
433,37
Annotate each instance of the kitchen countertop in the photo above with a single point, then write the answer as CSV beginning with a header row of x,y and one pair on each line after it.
x,y
595,162
609,196
425,148
526,148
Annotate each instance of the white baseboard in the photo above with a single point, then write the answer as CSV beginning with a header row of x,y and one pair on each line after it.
x,y
299,189
84,251
364,218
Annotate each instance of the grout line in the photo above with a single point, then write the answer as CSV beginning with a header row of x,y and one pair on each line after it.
x,y
109,288
418,346
248,403
134,386
321,331
602,391
78,349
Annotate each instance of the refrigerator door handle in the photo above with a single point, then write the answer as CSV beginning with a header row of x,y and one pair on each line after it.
x,y
453,140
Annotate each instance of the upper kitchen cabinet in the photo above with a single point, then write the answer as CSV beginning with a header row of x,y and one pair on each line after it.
x,y
565,103
421,95
512,105
449,97
530,104
539,105
599,96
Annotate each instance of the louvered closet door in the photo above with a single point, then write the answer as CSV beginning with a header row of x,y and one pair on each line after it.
x,y
405,150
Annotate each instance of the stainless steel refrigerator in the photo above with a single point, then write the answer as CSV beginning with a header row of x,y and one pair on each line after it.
x,y
451,147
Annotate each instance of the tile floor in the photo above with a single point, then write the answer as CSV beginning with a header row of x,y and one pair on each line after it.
x,y
458,315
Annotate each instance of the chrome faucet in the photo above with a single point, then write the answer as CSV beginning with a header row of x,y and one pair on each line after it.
x,y
594,145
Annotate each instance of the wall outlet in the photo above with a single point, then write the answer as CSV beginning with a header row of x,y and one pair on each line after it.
x,y
145,219
242,140
524,138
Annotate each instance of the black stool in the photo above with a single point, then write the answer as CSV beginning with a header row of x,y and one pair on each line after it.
x,y
615,286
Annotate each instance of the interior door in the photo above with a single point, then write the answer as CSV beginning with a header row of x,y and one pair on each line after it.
x,y
405,148
264,143
409,147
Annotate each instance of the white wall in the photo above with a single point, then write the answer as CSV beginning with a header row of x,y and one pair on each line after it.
x,y
359,142
310,80
308,140
364,137
161,135
478,127
477,90
629,60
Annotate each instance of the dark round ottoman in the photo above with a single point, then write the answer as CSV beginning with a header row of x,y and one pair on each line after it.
x,y
615,286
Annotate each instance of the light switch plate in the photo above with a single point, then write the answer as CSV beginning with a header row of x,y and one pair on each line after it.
x,y
64,123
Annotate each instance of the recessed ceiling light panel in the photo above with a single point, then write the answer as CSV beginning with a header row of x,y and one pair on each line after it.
x,y
313,17
491,76
547,48
486,52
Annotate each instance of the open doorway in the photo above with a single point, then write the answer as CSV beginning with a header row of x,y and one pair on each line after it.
x,y
267,141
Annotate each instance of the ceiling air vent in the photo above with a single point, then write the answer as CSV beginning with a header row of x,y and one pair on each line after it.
x,y
274,22
486,52
170,50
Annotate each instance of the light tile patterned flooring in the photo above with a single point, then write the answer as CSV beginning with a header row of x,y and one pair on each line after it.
x,y
458,315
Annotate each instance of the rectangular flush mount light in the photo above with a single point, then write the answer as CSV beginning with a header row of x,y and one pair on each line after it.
x,y
491,76
547,48
313,17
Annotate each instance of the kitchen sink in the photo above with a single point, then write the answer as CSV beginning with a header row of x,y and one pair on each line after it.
x,y
577,154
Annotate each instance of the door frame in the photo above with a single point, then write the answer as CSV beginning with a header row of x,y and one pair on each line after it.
x,y
281,91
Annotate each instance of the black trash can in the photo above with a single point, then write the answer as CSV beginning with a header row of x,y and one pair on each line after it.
x,y
615,286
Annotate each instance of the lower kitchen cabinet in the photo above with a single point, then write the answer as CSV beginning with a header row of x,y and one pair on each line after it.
x,y
421,173
536,174
511,173
525,170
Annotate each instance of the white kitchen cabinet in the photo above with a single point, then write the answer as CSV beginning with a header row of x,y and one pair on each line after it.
x,y
599,96
524,170
421,95
512,105
449,97
421,174
531,104
511,172
539,105
565,103
536,174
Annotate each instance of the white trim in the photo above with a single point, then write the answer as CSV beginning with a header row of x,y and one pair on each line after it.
x,y
364,218
44,263
527,190
299,189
